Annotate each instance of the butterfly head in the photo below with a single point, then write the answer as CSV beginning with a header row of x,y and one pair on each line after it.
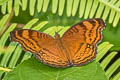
x,y
57,36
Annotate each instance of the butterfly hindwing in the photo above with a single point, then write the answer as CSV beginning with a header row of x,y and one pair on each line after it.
x,y
84,54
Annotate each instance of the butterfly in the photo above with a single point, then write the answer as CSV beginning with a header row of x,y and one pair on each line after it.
x,y
76,47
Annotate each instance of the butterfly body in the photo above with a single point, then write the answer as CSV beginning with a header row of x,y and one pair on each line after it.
x,y
76,47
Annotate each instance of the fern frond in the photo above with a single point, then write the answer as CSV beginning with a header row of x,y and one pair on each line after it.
x,y
5,36
32,6
17,4
102,49
116,77
3,10
54,8
106,61
5,69
61,7
113,68
3,21
75,7
3,1
85,8
69,7
9,8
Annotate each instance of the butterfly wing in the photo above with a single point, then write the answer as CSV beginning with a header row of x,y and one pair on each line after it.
x,y
81,40
44,46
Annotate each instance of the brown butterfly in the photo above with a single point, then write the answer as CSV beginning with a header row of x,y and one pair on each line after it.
x,y
76,47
